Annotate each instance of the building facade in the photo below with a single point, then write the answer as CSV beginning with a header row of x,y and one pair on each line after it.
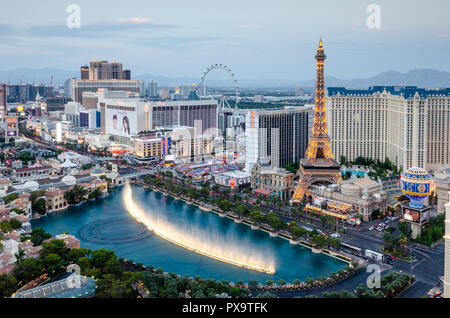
x,y
148,147
104,70
275,180
31,173
123,118
408,125
78,87
442,182
281,135
349,199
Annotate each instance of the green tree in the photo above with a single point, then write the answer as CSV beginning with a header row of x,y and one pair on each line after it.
x,y
8,285
29,269
38,235
52,260
299,232
75,195
318,241
36,194
292,226
241,209
95,194
5,227
100,257
274,221
57,247
225,205
39,206
10,197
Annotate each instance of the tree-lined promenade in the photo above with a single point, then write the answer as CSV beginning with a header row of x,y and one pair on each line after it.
x,y
237,207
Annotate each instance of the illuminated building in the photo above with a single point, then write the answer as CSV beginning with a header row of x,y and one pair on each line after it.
x,y
318,166
417,185
276,180
233,179
84,70
78,87
20,93
148,147
3,99
408,125
281,135
56,103
442,181
349,199
103,70
122,118
11,126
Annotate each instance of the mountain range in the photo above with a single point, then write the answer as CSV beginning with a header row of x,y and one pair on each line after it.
x,y
425,78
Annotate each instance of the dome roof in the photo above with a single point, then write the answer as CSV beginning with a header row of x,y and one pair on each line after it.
x,y
351,189
69,180
31,185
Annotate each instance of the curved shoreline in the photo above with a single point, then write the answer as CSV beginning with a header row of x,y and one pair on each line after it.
x,y
138,214
257,227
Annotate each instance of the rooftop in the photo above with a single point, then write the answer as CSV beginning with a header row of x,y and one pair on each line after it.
x,y
406,91
364,182
33,168
84,288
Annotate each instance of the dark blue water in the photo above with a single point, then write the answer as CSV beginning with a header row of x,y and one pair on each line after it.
x,y
105,223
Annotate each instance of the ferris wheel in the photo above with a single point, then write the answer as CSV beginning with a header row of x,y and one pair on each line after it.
x,y
223,102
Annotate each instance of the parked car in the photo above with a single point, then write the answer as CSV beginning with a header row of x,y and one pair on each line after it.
x,y
371,228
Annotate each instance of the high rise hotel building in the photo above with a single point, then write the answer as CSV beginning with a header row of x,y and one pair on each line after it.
x,y
408,125
281,135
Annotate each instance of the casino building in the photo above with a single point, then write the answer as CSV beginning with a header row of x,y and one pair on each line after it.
x,y
408,125
123,116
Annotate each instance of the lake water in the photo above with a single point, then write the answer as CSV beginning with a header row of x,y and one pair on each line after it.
x,y
105,223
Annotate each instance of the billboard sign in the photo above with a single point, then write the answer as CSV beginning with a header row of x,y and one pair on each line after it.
x,y
416,216
121,123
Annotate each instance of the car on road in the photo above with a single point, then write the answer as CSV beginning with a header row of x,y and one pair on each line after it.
x,y
371,228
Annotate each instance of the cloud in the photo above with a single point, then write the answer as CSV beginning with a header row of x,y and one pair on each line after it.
x,y
135,20
106,29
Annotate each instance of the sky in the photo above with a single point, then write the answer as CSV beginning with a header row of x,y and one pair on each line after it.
x,y
257,39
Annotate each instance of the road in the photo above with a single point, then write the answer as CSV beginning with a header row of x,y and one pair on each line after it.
x,y
427,267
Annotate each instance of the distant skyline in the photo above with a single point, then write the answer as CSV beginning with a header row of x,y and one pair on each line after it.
x,y
258,39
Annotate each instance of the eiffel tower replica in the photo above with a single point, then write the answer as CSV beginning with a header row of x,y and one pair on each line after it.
x,y
318,167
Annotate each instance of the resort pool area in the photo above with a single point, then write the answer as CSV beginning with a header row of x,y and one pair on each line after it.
x,y
356,173
105,223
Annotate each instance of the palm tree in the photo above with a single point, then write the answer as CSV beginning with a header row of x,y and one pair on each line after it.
x,y
388,241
